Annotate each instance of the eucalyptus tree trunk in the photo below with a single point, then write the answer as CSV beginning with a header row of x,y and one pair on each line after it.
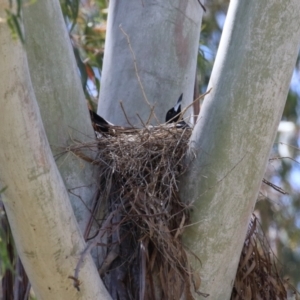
x,y
235,132
150,58
44,227
238,121
61,100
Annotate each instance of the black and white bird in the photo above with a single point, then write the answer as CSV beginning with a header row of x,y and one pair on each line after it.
x,y
174,114
99,123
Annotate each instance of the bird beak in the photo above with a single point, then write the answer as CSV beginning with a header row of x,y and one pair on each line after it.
x,y
176,107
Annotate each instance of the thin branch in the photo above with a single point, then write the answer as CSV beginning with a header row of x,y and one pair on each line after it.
x,y
123,109
137,73
198,98
203,7
145,125
275,187
282,157
87,250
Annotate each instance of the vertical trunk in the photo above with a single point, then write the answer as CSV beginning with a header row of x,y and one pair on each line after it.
x,y
45,230
164,38
61,100
235,132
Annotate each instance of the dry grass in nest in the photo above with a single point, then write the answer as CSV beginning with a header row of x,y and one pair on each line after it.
x,y
257,276
144,170
145,218
140,235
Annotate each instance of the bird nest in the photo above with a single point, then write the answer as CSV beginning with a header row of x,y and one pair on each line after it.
x,y
140,221
144,216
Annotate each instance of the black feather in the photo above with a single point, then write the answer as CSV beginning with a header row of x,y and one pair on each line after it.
x,y
173,114
99,122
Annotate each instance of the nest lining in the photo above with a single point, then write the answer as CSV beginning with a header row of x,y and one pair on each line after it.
x,y
145,218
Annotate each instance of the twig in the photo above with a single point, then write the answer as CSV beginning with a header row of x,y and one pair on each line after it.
x,y
145,125
203,7
281,143
282,157
150,115
137,73
275,187
198,98
88,249
123,109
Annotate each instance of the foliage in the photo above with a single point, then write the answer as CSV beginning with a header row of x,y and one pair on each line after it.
x,y
14,22
5,262
87,26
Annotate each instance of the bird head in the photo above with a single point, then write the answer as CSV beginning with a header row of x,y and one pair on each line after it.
x,y
173,114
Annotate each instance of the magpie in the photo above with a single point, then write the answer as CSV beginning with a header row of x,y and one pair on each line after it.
x,y
174,114
99,123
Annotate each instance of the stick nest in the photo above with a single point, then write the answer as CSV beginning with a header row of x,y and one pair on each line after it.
x,y
145,217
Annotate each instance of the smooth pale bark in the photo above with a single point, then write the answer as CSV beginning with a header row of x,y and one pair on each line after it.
x,y
164,37
44,227
61,100
235,132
